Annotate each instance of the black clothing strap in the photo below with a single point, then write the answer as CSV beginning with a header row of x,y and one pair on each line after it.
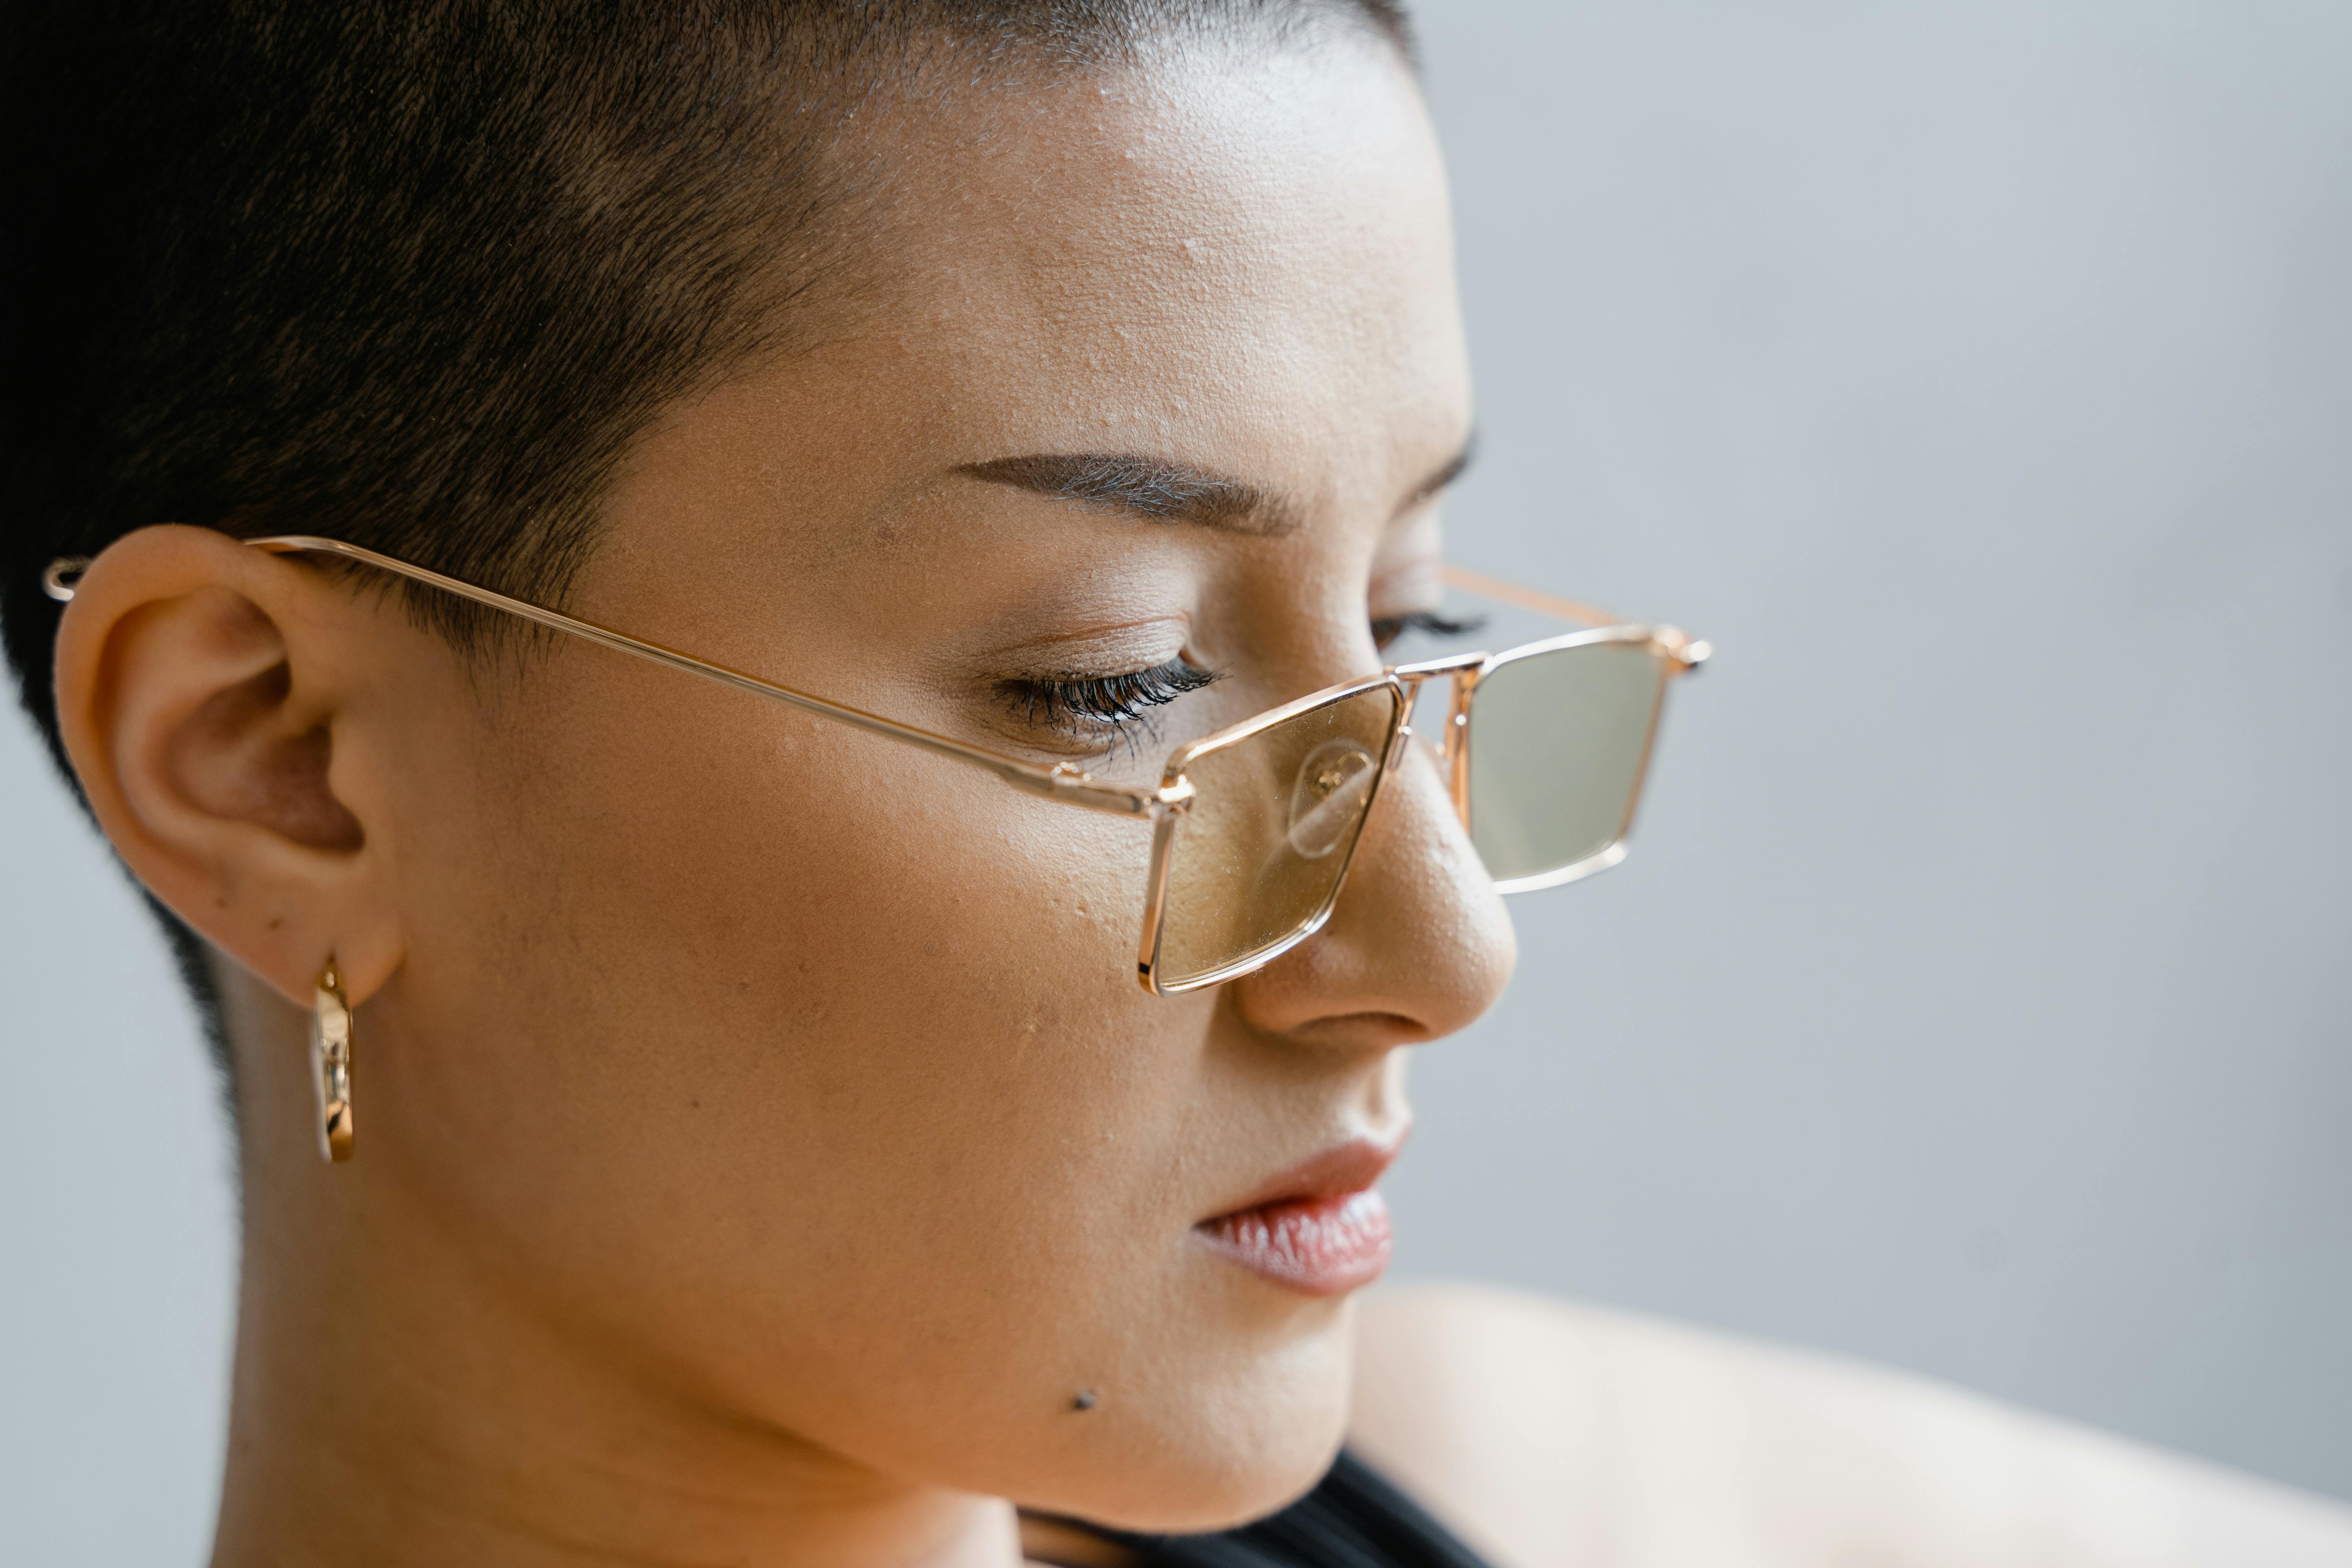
x,y
1353,1519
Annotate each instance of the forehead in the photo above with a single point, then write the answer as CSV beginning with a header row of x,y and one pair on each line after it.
x,y
1242,260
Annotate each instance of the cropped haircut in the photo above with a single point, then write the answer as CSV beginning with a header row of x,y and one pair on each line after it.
x,y
416,274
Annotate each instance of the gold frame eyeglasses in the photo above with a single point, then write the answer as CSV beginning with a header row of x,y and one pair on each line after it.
x,y
1256,826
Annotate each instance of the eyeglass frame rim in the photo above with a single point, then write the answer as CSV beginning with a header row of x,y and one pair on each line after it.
x,y
1679,654
1675,660
1468,671
1163,835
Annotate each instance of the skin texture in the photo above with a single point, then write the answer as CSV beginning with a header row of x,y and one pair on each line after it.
x,y
761,1137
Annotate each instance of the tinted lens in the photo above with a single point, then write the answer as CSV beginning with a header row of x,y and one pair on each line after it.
x,y
1556,744
1273,820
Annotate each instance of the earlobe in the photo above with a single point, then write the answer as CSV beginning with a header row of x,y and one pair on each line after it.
x,y
200,688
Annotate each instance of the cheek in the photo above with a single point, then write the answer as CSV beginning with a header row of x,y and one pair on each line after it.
x,y
836,944
841,1093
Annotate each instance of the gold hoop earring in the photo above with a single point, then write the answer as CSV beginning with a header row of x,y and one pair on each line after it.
x,y
331,1065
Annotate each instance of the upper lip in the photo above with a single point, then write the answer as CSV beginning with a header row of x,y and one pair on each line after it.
x,y
1337,1171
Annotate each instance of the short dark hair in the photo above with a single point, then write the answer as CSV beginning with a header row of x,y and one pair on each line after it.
x,y
414,273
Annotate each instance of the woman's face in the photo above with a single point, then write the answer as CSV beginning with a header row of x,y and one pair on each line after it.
x,y
810,1069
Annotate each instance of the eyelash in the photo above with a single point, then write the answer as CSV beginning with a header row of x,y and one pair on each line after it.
x,y
1389,628
1076,704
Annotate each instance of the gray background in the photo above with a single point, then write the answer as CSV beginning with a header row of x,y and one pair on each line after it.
x,y
1977,1000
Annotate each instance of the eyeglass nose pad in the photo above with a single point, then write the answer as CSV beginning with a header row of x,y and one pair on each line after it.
x,y
1327,796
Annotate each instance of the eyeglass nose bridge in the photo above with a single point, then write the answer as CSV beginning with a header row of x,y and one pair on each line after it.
x,y
1453,742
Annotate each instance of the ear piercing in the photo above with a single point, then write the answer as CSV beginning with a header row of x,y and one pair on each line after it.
x,y
331,1065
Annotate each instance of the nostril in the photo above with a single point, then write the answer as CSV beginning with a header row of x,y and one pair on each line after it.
x,y
1363,1031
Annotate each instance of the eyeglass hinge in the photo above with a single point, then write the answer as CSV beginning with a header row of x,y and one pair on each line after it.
x,y
1687,652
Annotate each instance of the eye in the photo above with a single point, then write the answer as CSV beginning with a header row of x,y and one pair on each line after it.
x,y
1083,706
1387,629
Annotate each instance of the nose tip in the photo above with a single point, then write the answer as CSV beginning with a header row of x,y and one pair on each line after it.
x,y
1419,945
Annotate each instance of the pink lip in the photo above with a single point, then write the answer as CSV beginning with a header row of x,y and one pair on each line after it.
x,y
1318,1229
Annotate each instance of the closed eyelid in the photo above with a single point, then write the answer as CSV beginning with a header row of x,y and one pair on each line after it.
x,y
1178,626
1415,583
1092,651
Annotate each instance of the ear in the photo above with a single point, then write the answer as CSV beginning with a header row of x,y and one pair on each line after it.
x,y
201,687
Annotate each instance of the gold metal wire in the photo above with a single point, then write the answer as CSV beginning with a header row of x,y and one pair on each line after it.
x,y
1063,781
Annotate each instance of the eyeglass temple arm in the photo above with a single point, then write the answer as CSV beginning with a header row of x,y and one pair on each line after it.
x,y
1069,787
1053,784
1507,592
1686,653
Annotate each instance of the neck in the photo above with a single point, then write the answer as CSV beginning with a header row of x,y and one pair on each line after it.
x,y
395,1403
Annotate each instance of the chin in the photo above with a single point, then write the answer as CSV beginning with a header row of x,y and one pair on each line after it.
x,y
1234,1499
1224,1450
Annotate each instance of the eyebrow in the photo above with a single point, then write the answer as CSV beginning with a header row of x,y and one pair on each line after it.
x,y
1163,491
1445,474
1144,486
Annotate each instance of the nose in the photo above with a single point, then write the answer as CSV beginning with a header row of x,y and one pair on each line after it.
x,y
1419,944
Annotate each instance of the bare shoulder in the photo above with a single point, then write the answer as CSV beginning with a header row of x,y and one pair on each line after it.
x,y
1568,1436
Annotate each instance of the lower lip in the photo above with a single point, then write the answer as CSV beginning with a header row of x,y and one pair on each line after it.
x,y
1316,1247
